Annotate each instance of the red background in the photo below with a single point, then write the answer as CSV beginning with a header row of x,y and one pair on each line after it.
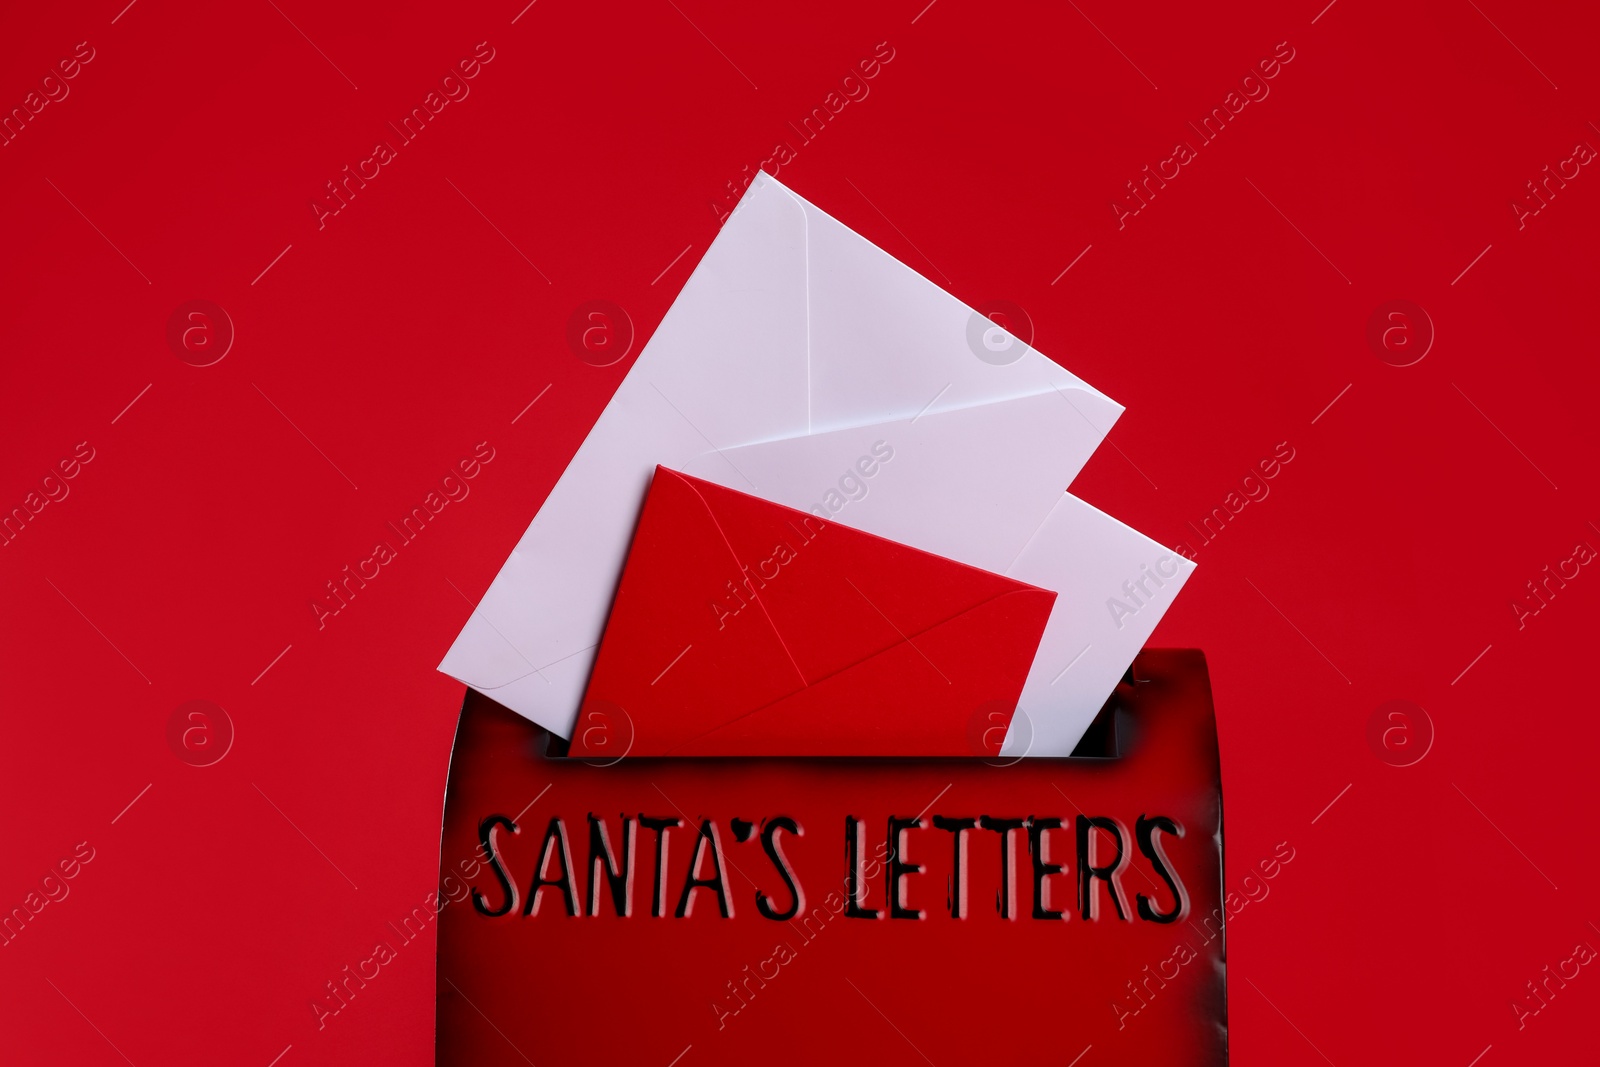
x,y
1227,316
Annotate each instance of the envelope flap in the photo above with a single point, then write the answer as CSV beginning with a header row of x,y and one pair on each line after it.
x,y
834,595
887,342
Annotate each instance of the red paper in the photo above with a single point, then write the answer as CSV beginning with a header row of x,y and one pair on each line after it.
x,y
742,627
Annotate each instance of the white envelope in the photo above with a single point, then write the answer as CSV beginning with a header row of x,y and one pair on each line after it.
x,y
795,349
1112,586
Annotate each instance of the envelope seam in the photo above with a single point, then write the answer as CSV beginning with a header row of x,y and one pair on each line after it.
x,y
805,255
976,405
710,514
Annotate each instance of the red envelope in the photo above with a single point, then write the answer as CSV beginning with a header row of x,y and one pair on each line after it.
x,y
742,627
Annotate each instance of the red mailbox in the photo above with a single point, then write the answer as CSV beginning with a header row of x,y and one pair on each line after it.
x,y
782,910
